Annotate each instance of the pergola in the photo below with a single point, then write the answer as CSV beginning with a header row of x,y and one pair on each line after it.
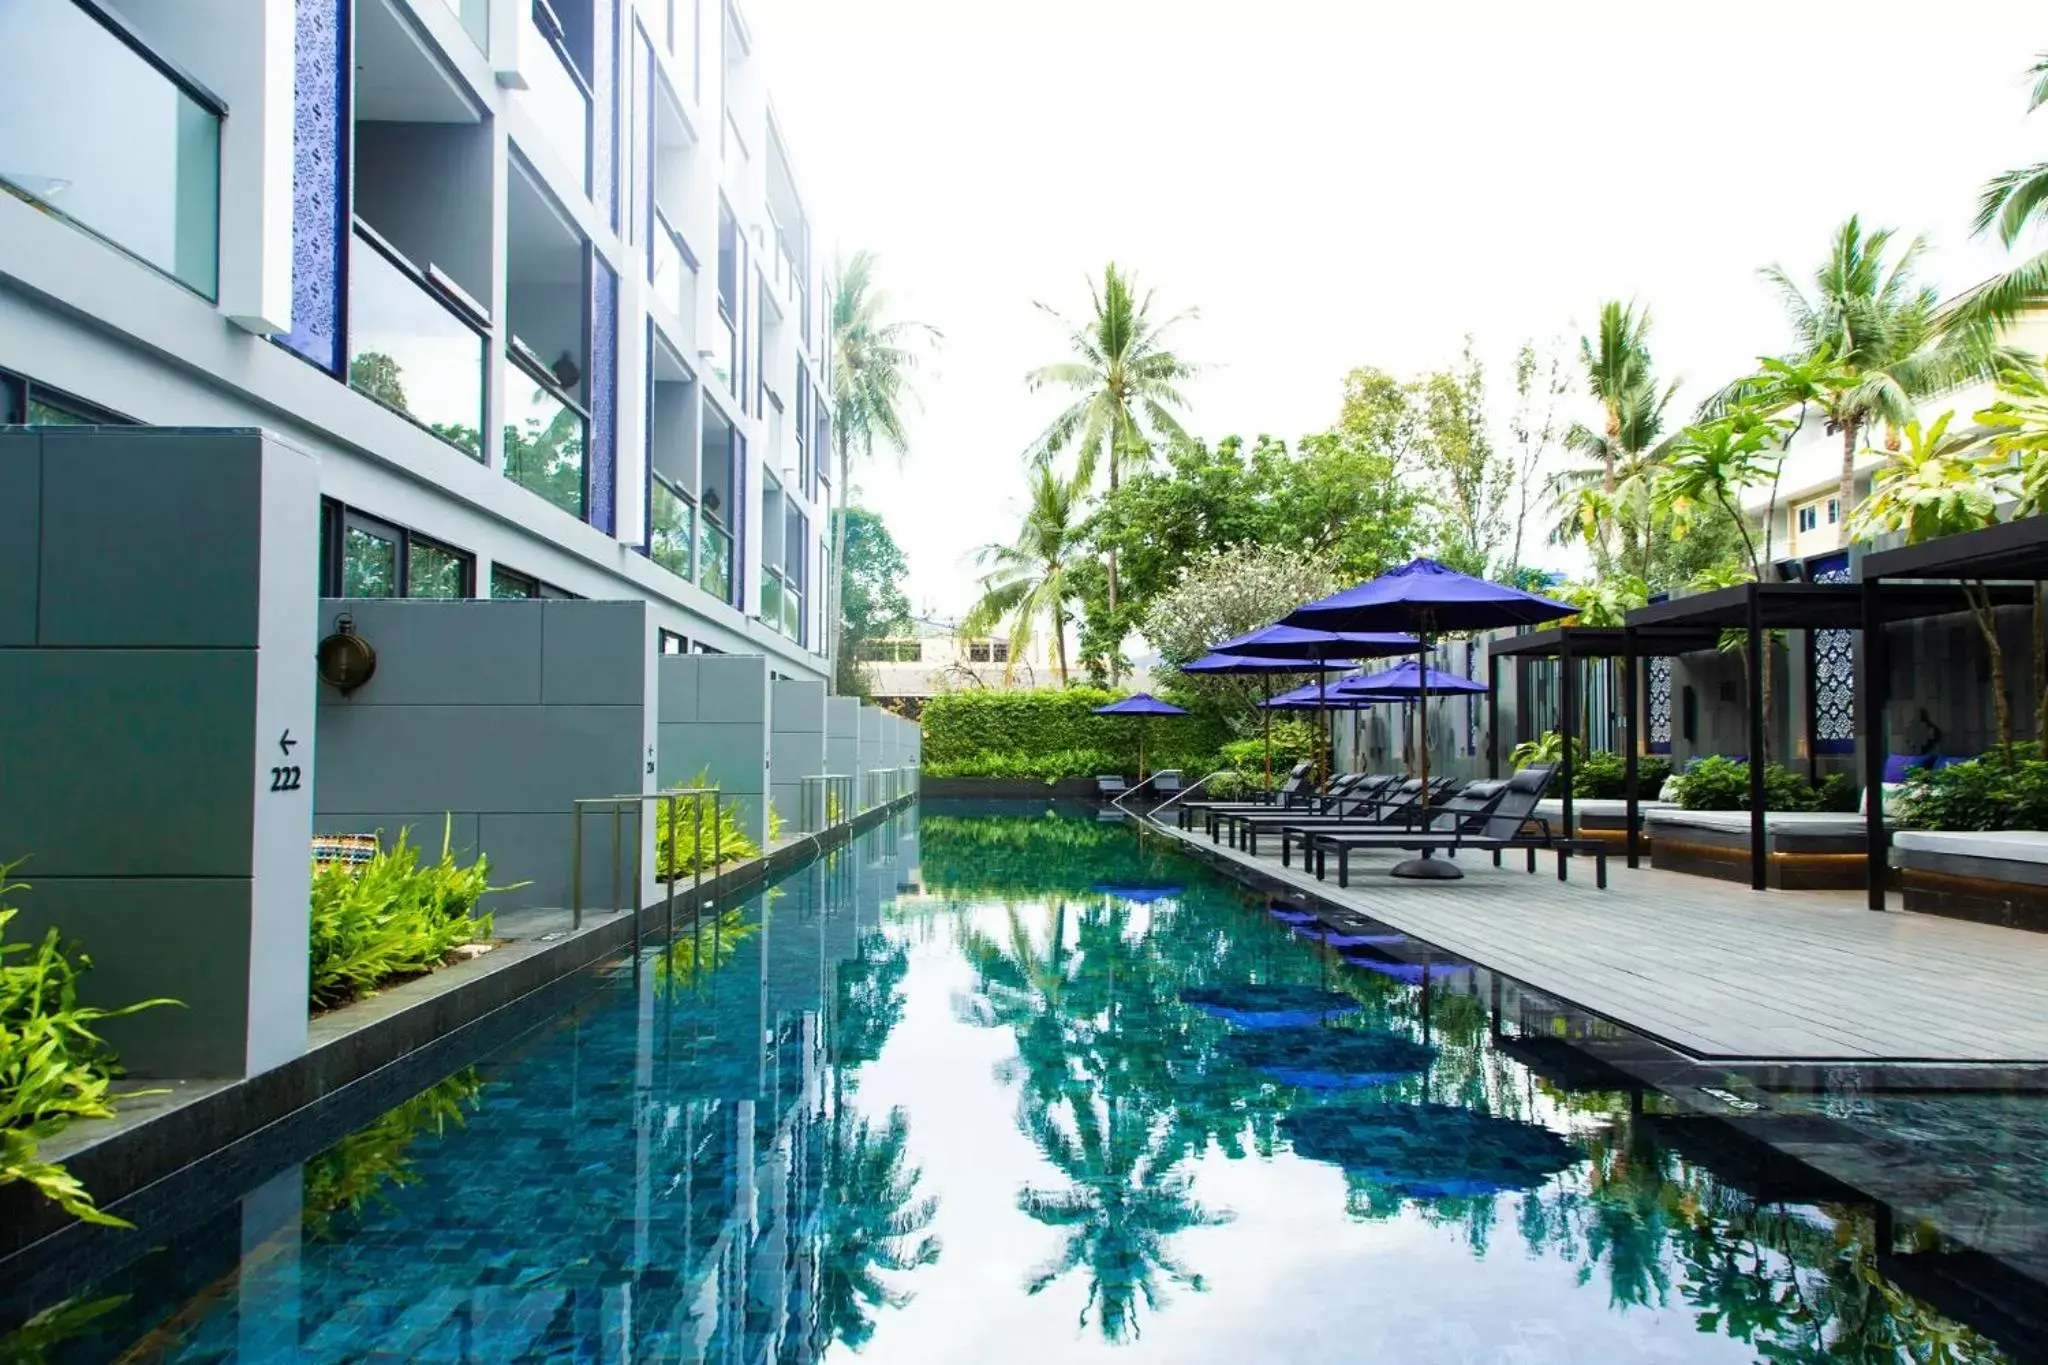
x,y
2012,552
1685,624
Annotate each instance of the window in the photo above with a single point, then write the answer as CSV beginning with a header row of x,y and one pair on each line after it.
x,y
510,585
1834,510
361,556
545,434
988,652
1808,519
24,402
671,643
890,652
672,528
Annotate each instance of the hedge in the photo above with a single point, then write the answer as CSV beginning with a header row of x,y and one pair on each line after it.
x,y
1053,733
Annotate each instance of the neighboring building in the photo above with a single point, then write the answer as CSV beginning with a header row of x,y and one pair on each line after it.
x,y
534,281
933,657
1809,519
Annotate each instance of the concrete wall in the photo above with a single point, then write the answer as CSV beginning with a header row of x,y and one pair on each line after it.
x,y
496,717
870,723
714,722
842,740
157,737
796,747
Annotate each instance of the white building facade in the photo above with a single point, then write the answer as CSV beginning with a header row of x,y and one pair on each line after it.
x,y
533,281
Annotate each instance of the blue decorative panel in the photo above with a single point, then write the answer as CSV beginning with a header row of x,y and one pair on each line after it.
x,y
1657,677
643,145
320,207
1832,690
604,397
647,453
604,100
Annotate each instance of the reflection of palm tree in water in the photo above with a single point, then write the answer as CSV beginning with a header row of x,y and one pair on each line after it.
x,y
872,1222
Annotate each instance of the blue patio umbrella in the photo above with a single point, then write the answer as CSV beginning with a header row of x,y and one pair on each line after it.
x,y
1140,895
1274,1004
1427,599
1313,696
1143,705
1405,680
1217,665
1280,641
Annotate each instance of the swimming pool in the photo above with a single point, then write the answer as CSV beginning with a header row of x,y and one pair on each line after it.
x,y
1016,1084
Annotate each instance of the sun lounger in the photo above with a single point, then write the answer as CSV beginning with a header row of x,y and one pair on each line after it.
x,y
1512,825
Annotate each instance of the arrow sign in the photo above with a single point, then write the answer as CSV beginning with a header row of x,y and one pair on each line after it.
x,y
285,742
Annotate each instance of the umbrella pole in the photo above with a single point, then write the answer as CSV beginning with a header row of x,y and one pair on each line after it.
x,y
1141,750
1266,723
1322,721
1425,868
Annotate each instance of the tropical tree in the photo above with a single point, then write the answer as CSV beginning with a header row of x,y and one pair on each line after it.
x,y
1884,331
1797,385
873,354
1939,485
1031,580
2018,422
1617,363
873,605
1124,381
2011,202
1540,384
1607,500
1718,461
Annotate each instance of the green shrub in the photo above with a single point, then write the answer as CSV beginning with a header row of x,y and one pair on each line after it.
x,y
1018,735
1547,747
54,1066
392,918
1723,784
1605,776
1294,741
708,829
1982,794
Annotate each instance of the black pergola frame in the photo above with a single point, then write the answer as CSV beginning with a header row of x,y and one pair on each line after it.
x,y
2010,552
1695,623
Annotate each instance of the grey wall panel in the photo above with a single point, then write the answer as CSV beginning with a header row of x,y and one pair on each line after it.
x,y
733,754
20,534
125,762
534,847
592,653
798,706
842,737
446,653
187,571
482,758
677,684
182,938
732,688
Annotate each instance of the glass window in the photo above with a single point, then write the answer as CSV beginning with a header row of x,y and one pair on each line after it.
x,y
369,563
1834,510
410,351
671,529
555,96
435,570
544,440
46,414
671,643
95,132
1808,519
714,569
509,585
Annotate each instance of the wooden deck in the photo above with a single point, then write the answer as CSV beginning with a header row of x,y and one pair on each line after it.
x,y
1715,969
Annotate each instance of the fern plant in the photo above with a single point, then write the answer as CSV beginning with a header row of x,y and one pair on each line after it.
x,y
54,1066
1547,747
393,918
691,831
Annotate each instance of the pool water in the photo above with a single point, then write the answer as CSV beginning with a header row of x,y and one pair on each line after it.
x,y
1009,1084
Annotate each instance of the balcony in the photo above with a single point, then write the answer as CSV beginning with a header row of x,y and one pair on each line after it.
x,y
675,274
555,98
545,437
672,530
714,566
414,344
99,132
725,352
476,21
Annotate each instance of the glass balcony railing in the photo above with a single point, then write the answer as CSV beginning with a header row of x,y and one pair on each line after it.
x,y
771,600
476,21
672,530
96,131
545,439
675,282
792,612
714,560
725,352
410,350
555,97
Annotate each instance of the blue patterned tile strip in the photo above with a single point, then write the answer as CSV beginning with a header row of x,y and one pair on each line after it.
x,y
604,397
319,183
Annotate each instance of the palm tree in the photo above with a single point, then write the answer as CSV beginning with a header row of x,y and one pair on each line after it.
x,y
1031,580
1885,333
872,356
1124,380
1605,499
1617,369
871,1222
2010,202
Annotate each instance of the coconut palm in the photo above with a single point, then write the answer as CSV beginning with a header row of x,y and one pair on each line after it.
x,y
1032,580
872,357
871,1223
2011,201
1884,330
1124,380
1604,499
1617,371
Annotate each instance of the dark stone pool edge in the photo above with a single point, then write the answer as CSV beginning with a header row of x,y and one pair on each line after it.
x,y
129,1161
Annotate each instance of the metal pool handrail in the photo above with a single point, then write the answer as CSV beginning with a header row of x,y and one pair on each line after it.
x,y
1184,793
618,806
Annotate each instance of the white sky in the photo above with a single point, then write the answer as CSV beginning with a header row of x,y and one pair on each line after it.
x,y
1343,182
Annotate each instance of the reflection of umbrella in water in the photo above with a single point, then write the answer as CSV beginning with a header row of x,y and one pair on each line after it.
x,y
1328,1058
1279,1004
1429,1151
1139,895
1334,938
1412,973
